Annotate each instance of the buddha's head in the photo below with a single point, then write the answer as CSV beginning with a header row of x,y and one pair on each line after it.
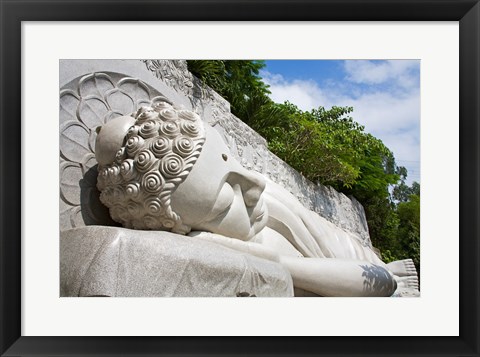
x,y
162,169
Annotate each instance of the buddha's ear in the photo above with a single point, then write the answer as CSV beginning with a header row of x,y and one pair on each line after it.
x,y
110,138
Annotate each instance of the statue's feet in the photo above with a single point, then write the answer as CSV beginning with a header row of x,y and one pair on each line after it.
x,y
407,286
403,268
407,282
406,293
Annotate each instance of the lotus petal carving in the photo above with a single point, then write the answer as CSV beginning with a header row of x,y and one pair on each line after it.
x,y
86,103
91,111
70,190
136,89
74,141
68,105
120,101
95,84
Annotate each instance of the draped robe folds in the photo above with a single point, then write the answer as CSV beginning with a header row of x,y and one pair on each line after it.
x,y
309,233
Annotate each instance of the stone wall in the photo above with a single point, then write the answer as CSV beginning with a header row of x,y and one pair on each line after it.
x,y
94,91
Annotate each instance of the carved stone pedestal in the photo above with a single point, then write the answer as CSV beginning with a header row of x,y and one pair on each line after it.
x,y
110,261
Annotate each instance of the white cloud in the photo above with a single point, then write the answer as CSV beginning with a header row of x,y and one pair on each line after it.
x,y
304,94
394,120
400,72
388,115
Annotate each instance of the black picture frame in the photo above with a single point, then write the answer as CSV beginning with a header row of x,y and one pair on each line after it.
x,y
13,12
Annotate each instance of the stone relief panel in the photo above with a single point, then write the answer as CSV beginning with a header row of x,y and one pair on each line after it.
x,y
86,103
173,72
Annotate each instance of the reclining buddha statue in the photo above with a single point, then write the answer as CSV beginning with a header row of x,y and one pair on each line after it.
x,y
162,169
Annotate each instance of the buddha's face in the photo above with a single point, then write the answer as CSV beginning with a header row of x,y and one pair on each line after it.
x,y
219,195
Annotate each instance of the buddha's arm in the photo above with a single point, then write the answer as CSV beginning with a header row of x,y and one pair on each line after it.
x,y
339,277
323,276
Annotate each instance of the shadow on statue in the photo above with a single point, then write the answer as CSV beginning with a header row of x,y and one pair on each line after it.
x,y
377,279
93,211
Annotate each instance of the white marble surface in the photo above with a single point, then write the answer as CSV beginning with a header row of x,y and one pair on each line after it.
x,y
106,261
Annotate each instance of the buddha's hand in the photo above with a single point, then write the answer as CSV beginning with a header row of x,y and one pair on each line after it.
x,y
252,248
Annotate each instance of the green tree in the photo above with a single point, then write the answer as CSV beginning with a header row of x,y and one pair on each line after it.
x,y
409,229
211,73
383,222
327,146
401,192
403,240
316,149
237,81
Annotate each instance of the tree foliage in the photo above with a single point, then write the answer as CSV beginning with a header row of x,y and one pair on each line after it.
x,y
237,81
402,192
329,147
409,229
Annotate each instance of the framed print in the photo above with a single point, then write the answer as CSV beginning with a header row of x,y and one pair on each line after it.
x,y
40,37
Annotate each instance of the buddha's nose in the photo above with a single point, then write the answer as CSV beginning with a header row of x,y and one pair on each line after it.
x,y
251,183
252,187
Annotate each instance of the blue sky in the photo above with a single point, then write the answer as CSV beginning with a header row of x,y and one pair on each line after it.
x,y
384,94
